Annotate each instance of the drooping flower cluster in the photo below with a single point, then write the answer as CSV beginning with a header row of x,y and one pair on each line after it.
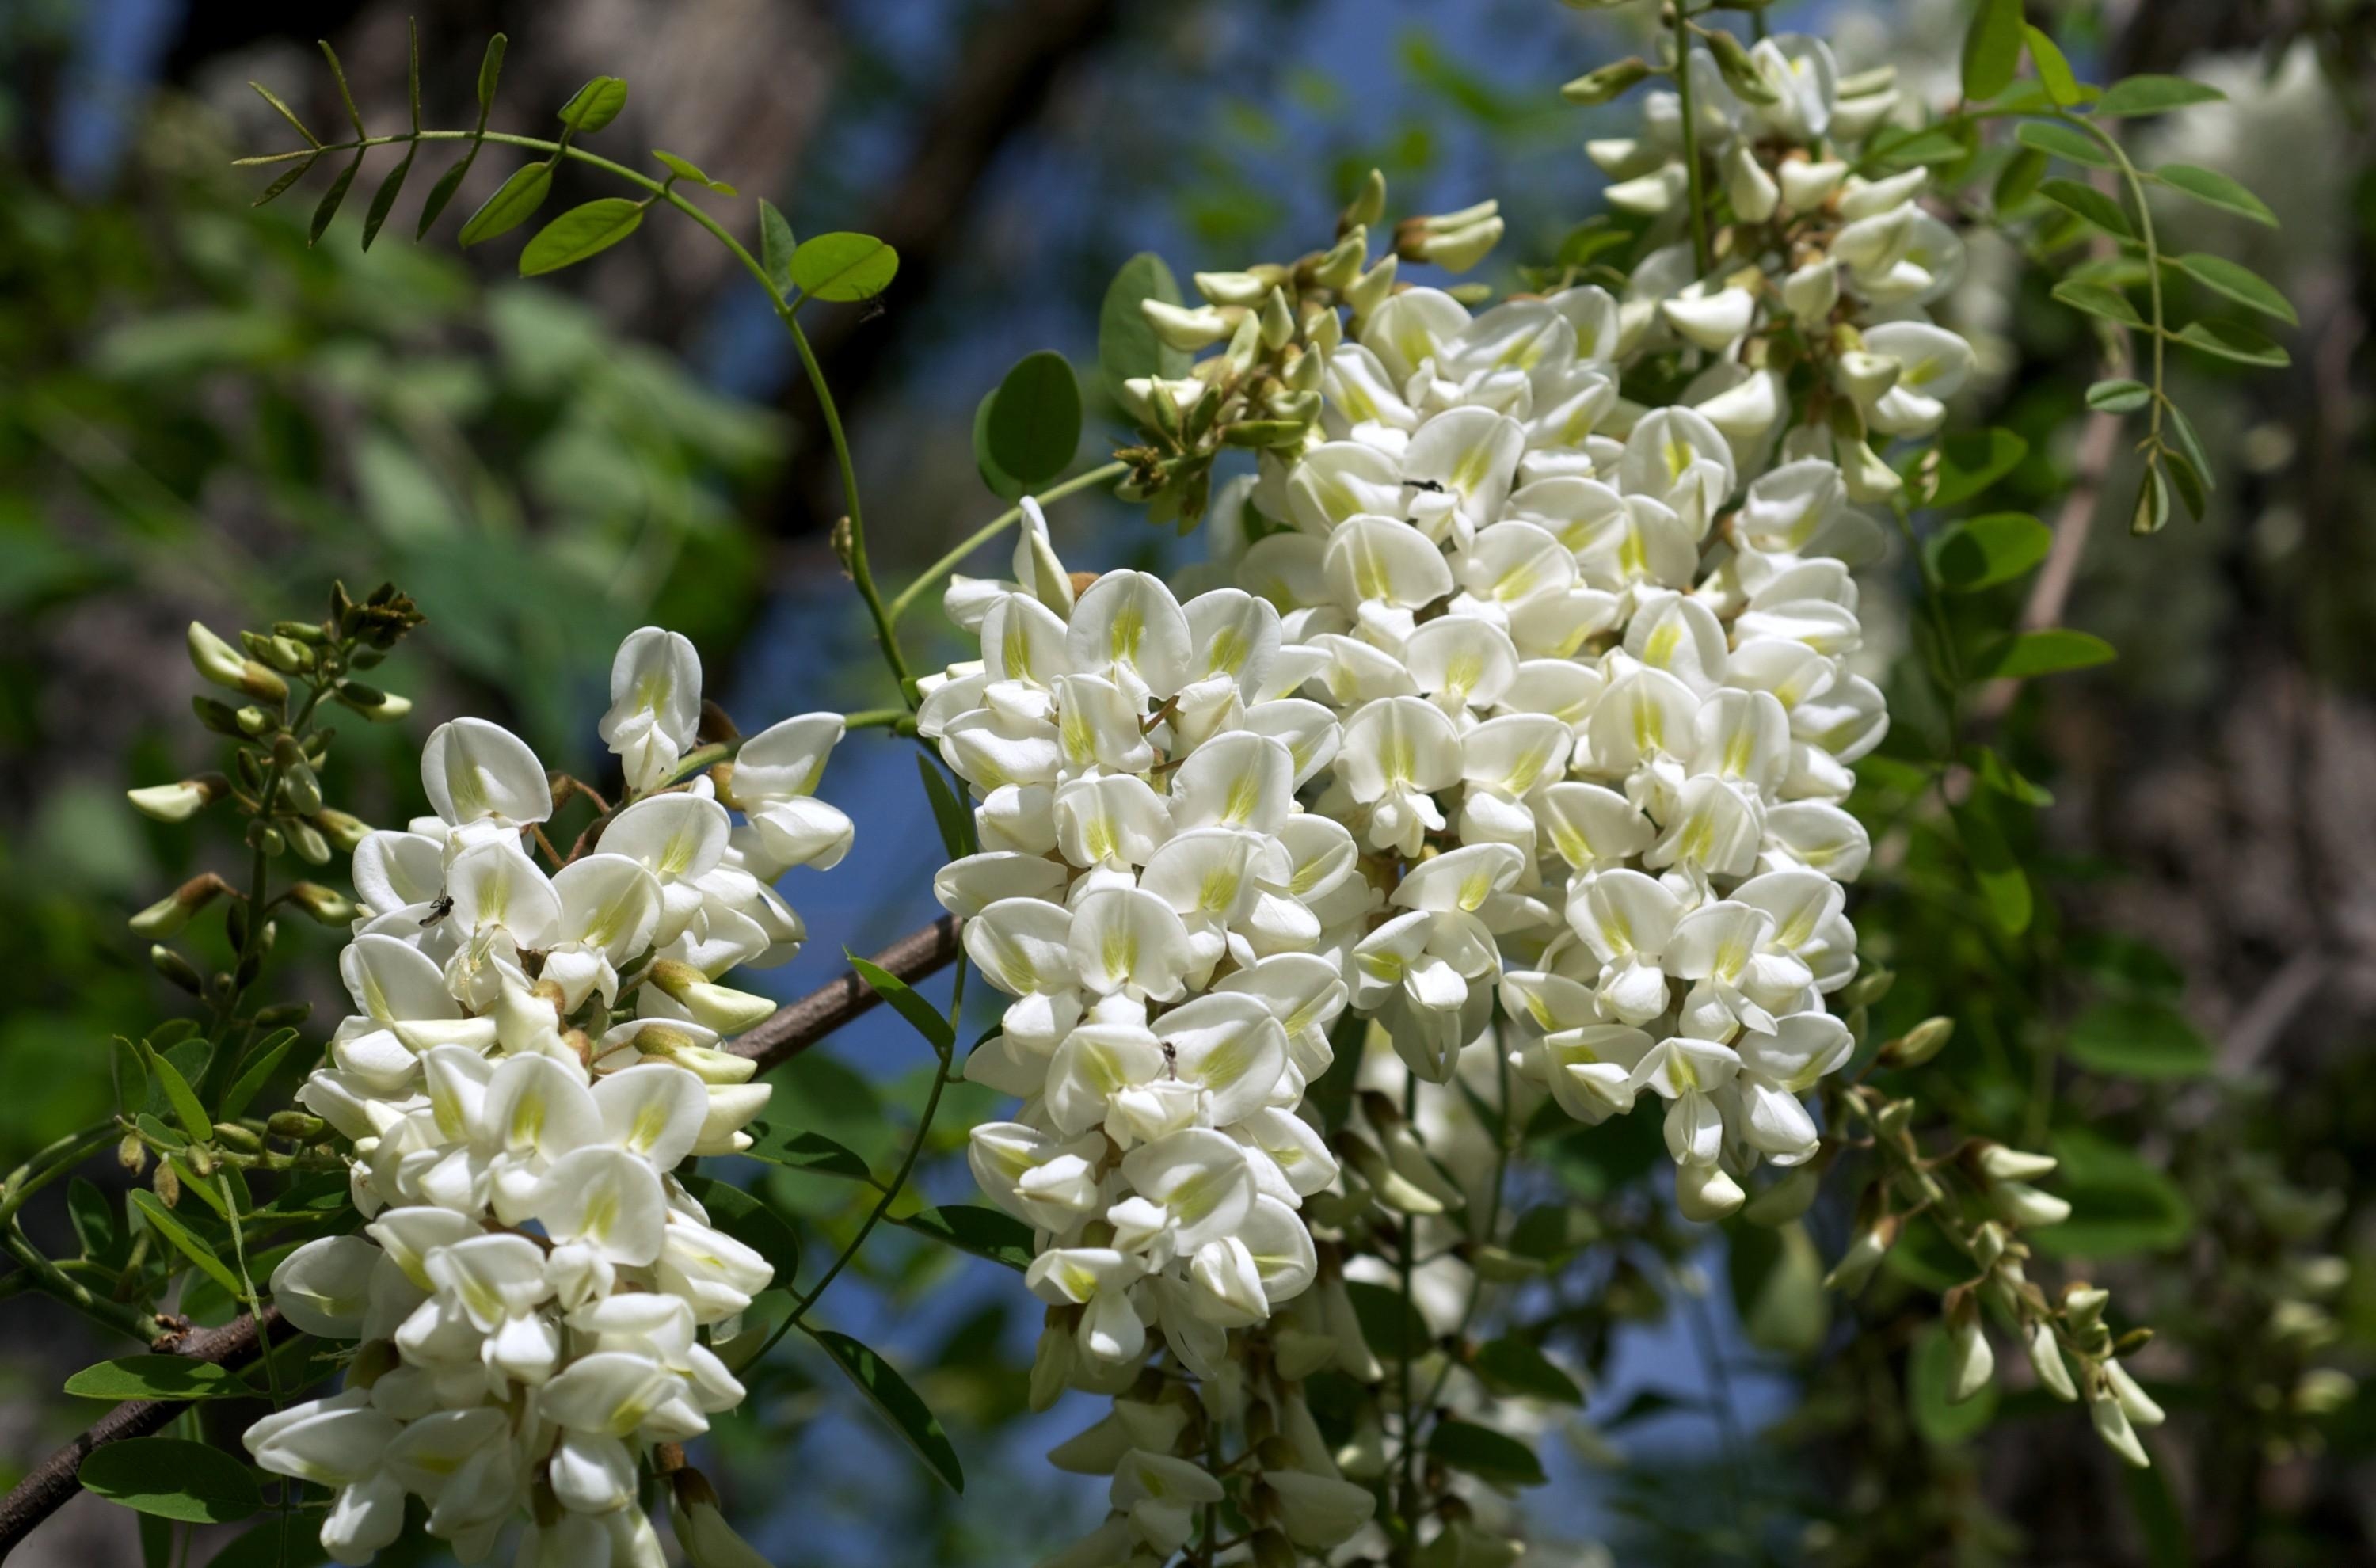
x,y
1510,687
531,1057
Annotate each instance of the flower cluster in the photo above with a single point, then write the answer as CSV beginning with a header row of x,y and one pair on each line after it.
x,y
530,1059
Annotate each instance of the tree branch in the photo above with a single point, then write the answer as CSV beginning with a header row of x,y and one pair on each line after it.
x,y
792,1029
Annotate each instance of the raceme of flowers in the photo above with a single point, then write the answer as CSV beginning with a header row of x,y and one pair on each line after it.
x,y
1504,686
530,1058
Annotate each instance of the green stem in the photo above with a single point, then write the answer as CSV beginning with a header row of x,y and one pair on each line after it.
x,y
50,1163
940,569
1701,253
49,1278
1407,1504
247,1283
2158,330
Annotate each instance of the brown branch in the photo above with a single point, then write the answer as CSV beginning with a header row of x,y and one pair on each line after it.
x,y
789,1032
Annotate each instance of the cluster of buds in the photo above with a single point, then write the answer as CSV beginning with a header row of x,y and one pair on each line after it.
x,y
533,1056
1276,324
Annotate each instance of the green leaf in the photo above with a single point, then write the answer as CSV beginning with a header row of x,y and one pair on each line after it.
x,y
1519,1368
949,814
2118,397
158,1377
2233,341
751,1222
776,246
2189,455
2240,283
2054,70
1034,426
180,1096
174,1478
2121,1206
491,70
2002,777
1127,346
1970,461
999,482
1929,1378
332,199
1390,1324
261,1063
1992,48
2090,205
442,191
811,1152
161,1219
94,1221
2050,652
131,1065
2134,1038
1983,552
1495,1458
282,1540
985,1232
685,169
897,1404
2059,141
287,114
2154,95
288,177
1924,147
2018,180
594,105
844,267
925,1019
579,232
514,203
2214,189
383,199
2150,514
2003,884
1777,1283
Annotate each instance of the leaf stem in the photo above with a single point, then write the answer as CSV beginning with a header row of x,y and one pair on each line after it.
x,y
1695,182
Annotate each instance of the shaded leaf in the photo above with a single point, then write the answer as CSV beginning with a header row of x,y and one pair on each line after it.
x,y
162,1220
1034,424
2054,70
284,1541
2090,205
2233,341
2118,395
2054,137
2026,654
261,1063
579,232
288,177
383,199
896,1403
922,1015
812,1152
491,70
844,267
94,1221
2002,777
2018,180
999,482
2214,189
776,246
1992,48
332,199
1980,552
1492,1457
970,1228
1390,1324
180,1096
158,1377
514,203
685,169
2239,282
442,191
174,1478
1970,461
2003,886
2154,95
1127,346
2120,1206
1518,1367
956,823
2134,1038
1929,1378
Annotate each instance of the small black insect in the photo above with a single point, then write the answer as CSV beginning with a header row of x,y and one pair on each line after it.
x,y
1171,1060
875,310
441,907
1433,486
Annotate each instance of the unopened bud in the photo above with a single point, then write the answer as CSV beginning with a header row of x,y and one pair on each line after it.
x,y
253,721
1863,1257
1970,1360
1787,1199
1740,72
295,1124
1706,1192
326,905
1372,288
1344,260
380,707
1810,292
302,789
1987,1244
2020,1204
1188,330
1367,206
238,1136
176,969
344,832
179,802
309,843
1919,1044
1868,988
1600,86
2045,1360
166,1185
2002,1164
170,914
262,834
226,666
713,1006
2112,1425
217,716
1454,249
2135,1403
132,1154
1277,321
1248,288
2083,1304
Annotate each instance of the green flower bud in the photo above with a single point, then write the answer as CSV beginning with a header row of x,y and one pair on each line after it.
x,y
1608,82
179,802
226,666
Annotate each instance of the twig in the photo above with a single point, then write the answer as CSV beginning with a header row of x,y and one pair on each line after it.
x,y
50,1485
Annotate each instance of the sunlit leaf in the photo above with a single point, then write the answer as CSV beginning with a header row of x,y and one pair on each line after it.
x,y
581,232
162,1220
685,169
2214,189
174,1478
514,203
2050,652
1495,1458
1980,552
2089,204
2239,282
2154,95
1991,48
844,267
2233,341
925,1019
1127,346
2118,395
158,1377
594,105
2054,137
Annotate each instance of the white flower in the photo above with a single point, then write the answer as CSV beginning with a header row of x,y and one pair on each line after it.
x,y
654,704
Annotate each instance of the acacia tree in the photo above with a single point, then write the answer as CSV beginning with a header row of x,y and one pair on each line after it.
x,y
1500,780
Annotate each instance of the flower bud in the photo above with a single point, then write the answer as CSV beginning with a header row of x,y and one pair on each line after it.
x,y
1344,261
380,707
1181,327
309,843
283,1013
1811,293
2083,1306
132,1154
326,905
226,666
2022,1204
2002,1164
713,1006
1971,1363
1456,249
1248,288
166,1185
295,1124
2112,1425
2135,1403
344,832
179,802
1807,185
1277,321
176,969
708,1540
1865,1251
1372,288
2045,1360
1740,72
1787,1199
1705,1193
1600,86
170,914
1368,208
1919,1044
1751,190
